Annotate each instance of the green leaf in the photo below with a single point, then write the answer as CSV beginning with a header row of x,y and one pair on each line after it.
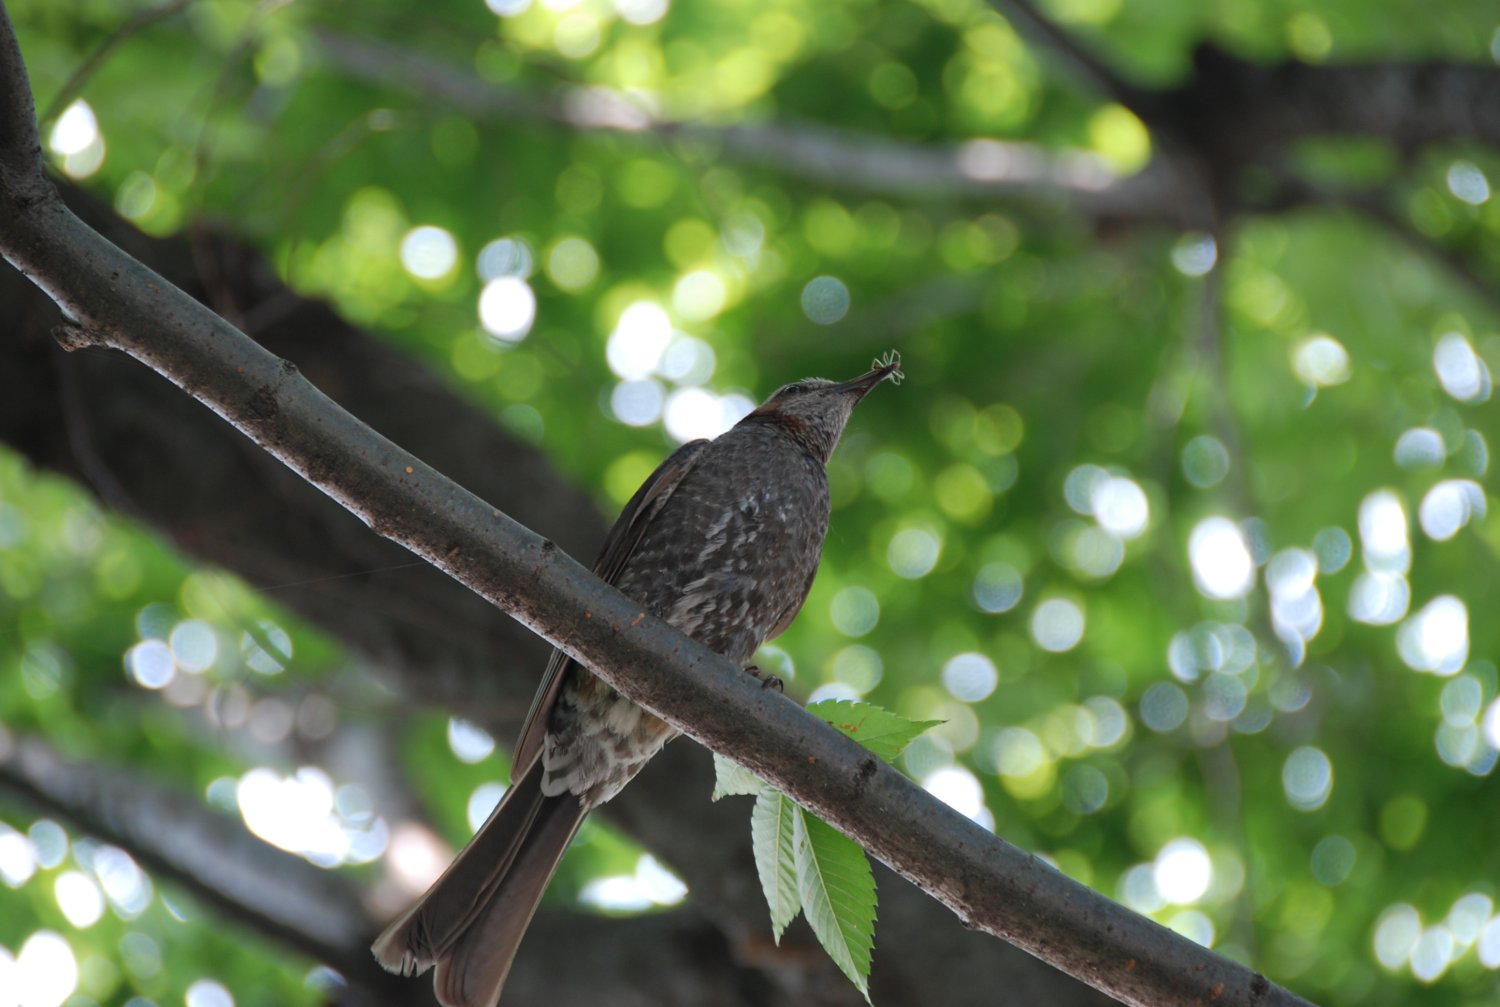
x,y
732,779
773,831
838,894
885,733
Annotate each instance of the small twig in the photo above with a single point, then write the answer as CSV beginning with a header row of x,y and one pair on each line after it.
x,y
137,23
1030,21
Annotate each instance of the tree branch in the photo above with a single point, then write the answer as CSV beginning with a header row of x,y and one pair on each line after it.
x,y
977,170
113,300
574,957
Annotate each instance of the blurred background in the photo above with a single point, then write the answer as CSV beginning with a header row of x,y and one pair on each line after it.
x,y
1180,523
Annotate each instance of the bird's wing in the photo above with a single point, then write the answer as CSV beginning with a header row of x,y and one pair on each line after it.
x,y
619,546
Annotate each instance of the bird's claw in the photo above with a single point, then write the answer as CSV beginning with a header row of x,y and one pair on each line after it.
x,y
766,681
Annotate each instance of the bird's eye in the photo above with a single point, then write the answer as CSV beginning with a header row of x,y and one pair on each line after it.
x,y
792,389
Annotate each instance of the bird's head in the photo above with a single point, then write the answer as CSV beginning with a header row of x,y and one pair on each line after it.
x,y
813,411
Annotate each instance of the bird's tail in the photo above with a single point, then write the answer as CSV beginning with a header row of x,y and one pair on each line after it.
x,y
470,922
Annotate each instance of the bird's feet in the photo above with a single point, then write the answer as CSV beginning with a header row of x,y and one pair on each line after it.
x,y
766,681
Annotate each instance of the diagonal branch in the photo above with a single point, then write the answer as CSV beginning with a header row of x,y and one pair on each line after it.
x,y
112,300
1029,20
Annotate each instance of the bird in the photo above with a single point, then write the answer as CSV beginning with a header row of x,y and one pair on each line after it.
x,y
722,541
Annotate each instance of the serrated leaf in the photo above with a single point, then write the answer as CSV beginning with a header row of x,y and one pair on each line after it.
x,y
773,833
732,779
837,889
885,733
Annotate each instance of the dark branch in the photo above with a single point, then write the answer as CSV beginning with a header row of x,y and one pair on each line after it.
x,y
993,886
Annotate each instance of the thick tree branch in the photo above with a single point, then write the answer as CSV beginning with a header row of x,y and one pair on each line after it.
x,y
114,300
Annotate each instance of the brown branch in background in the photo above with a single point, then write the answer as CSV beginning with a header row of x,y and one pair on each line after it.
x,y
320,914
113,300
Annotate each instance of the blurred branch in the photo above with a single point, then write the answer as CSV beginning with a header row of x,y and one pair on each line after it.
x,y
110,299
1029,20
840,159
316,912
573,957
134,25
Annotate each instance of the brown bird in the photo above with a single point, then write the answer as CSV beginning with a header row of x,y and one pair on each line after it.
x,y
722,541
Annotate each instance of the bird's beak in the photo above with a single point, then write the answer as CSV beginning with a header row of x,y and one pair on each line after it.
x,y
861,386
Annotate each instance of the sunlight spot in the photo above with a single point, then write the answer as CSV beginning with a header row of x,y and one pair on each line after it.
x,y
1205,461
913,552
825,300
857,667
1379,599
854,611
126,886
469,742
687,361
1334,549
46,971
639,340
1436,639
997,588
1120,506
74,130
1382,530
195,646
1420,447
484,799
79,899
507,308
295,813
692,413
699,295
1182,871
150,664
208,993
573,264
1195,254
1460,370
970,677
1307,778
960,790
18,862
1433,954
1321,361
637,403
508,8
1468,183
1449,506
1396,935
1221,560
1164,707
1194,925
429,252
658,883
504,257
1057,625
417,856
641,12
